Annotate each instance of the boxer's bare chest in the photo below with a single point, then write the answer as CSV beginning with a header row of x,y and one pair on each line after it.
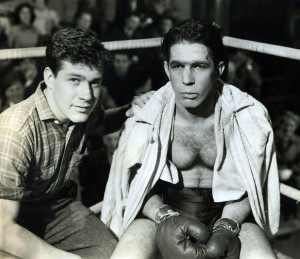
x,y
194,146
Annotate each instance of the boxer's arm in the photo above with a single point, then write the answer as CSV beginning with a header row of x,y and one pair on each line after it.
x,y
152,206
20,242
224,238
237,210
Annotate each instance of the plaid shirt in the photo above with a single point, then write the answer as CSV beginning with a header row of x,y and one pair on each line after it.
x,y
34,161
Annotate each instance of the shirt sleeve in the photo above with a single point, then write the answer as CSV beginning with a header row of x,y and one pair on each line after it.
x,y
14,164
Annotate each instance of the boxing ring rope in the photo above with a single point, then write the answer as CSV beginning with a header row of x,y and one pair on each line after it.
x,y
270,49
255,46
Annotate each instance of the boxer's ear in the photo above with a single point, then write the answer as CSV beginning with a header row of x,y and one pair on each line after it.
x,y
49,77
220,68
166,67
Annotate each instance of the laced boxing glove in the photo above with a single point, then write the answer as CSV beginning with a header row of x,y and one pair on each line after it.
x,y
224,241
180,237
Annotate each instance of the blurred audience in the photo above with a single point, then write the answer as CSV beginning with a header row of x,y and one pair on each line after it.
x,y
32,74
244,73
152,58
288,158
120,77
83,19
125,30
22,33
94,168
46,19
12,89
96,9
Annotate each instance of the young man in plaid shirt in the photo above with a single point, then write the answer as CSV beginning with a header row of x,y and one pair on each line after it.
x,y
41,142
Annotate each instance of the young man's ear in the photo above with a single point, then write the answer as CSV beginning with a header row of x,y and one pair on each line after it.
x,y
220,68
48,77
166,67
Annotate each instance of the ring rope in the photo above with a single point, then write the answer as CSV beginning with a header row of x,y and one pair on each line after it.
x,y
255,46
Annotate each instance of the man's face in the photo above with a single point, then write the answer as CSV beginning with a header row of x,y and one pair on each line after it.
x,y
85,21
15,92
74,91
192,73
121,64
132,22
25,15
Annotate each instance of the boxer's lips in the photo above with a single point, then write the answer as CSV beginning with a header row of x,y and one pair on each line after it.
x,y
189,95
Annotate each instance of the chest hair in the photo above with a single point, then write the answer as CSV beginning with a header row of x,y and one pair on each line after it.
x,y
194,146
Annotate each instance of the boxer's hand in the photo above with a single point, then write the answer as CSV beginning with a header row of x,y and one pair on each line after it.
x,y
181,237
140,101
224,241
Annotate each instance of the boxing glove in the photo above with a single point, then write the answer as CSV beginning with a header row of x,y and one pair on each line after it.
x,y
182,237
224,241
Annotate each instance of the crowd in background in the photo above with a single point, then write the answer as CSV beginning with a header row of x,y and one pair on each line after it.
x,y
130,73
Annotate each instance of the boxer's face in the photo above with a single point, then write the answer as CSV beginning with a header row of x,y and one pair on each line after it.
x,y
73,93
192,73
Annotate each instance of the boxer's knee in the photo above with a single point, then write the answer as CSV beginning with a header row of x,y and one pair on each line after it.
x,y
138,241
255,243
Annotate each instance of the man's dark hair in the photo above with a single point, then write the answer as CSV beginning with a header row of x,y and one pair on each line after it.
x,y
18,10
195,31
77,47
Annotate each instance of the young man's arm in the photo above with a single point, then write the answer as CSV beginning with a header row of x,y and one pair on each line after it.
x,y
20,242
115,117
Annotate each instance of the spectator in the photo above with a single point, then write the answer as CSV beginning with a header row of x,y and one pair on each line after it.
x,y
23,34
47,20
96,9
244,72
143,83
83,19
119,78
288,153
153,58
33,75
128,29
12,88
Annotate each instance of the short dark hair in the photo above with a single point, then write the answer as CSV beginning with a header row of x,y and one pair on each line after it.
x,y
76,46
195,31
18,10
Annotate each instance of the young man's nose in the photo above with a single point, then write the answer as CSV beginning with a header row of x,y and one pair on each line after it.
x,y
187,76
85,92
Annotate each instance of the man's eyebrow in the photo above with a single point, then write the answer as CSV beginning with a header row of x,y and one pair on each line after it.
x,y
74,74
193,63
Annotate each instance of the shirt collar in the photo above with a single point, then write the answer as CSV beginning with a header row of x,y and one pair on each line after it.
x,y
42,105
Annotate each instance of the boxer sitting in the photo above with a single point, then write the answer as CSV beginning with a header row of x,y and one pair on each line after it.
x,y
203,147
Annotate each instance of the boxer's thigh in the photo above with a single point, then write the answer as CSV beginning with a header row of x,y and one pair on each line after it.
x,y
138,241
254,243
